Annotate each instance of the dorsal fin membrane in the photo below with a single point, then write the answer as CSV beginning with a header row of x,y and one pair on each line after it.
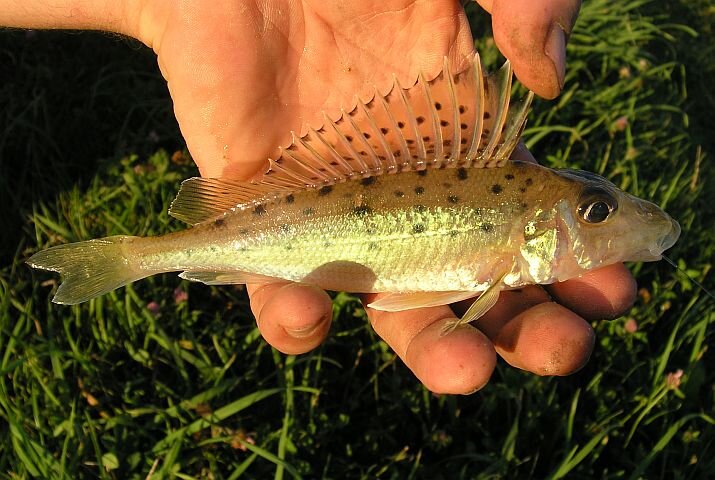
x,y
451,121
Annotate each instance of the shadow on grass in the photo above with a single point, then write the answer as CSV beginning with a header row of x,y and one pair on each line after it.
x,y
67,100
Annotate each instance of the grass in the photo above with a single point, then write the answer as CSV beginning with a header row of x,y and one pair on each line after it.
x,y
149,382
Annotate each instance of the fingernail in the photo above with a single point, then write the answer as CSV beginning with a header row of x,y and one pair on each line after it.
x,y
302,332
555,49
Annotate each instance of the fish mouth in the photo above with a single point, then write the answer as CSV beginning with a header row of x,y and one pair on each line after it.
x,y
667,240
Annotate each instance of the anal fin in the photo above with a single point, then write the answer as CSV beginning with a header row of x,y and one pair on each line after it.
x,y
226,278
396,302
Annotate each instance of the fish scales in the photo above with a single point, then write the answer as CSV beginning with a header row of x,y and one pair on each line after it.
x,y
413,193
430,230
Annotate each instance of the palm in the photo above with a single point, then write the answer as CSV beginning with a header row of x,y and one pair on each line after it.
x,y
274,65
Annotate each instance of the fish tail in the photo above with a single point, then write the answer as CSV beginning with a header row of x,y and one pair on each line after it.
x,y
89,269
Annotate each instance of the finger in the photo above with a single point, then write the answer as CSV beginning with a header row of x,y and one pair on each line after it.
x,y
460,362
546,339
532,35
532,333
293,318
604,293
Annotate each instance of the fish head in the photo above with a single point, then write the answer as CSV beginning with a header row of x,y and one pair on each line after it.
x,y
605,225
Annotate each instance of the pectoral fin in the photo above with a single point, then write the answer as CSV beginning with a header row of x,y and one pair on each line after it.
x,y
396,302
481,306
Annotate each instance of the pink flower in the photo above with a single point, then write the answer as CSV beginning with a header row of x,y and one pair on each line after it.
x,y
180,295
672,380
631,325
154,308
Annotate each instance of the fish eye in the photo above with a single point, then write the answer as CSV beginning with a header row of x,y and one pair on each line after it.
x,y
596,205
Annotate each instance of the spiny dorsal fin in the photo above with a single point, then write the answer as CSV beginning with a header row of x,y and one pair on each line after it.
x,y
453,120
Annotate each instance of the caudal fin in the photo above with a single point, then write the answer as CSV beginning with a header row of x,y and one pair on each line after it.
x,y
89,269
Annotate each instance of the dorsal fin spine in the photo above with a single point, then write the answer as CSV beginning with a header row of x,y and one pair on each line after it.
x,y
331,171
337,158
419,143
475,110
454,105
392,165
503,87
346,144
434,121
405,155
358,134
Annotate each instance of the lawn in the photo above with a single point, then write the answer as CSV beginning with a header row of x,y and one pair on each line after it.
x,y
166,379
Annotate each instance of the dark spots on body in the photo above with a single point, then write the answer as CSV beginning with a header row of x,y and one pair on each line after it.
x,y
418,228
529,182
366,182
219,223
325,190
361,210
373,246
399,193
453,199
289,247
462,173
509,176
420,120
285,228
327,244
420,208
419,190
243,231
486,227
308,211
522,189
422,173
259,210
524,206
496,189
447,185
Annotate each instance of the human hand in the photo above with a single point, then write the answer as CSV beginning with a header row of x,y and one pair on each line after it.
x,y
242,74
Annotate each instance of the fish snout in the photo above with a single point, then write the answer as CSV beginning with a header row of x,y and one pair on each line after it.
x,y
668,240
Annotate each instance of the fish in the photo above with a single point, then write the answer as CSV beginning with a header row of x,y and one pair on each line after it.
x,y
412,193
